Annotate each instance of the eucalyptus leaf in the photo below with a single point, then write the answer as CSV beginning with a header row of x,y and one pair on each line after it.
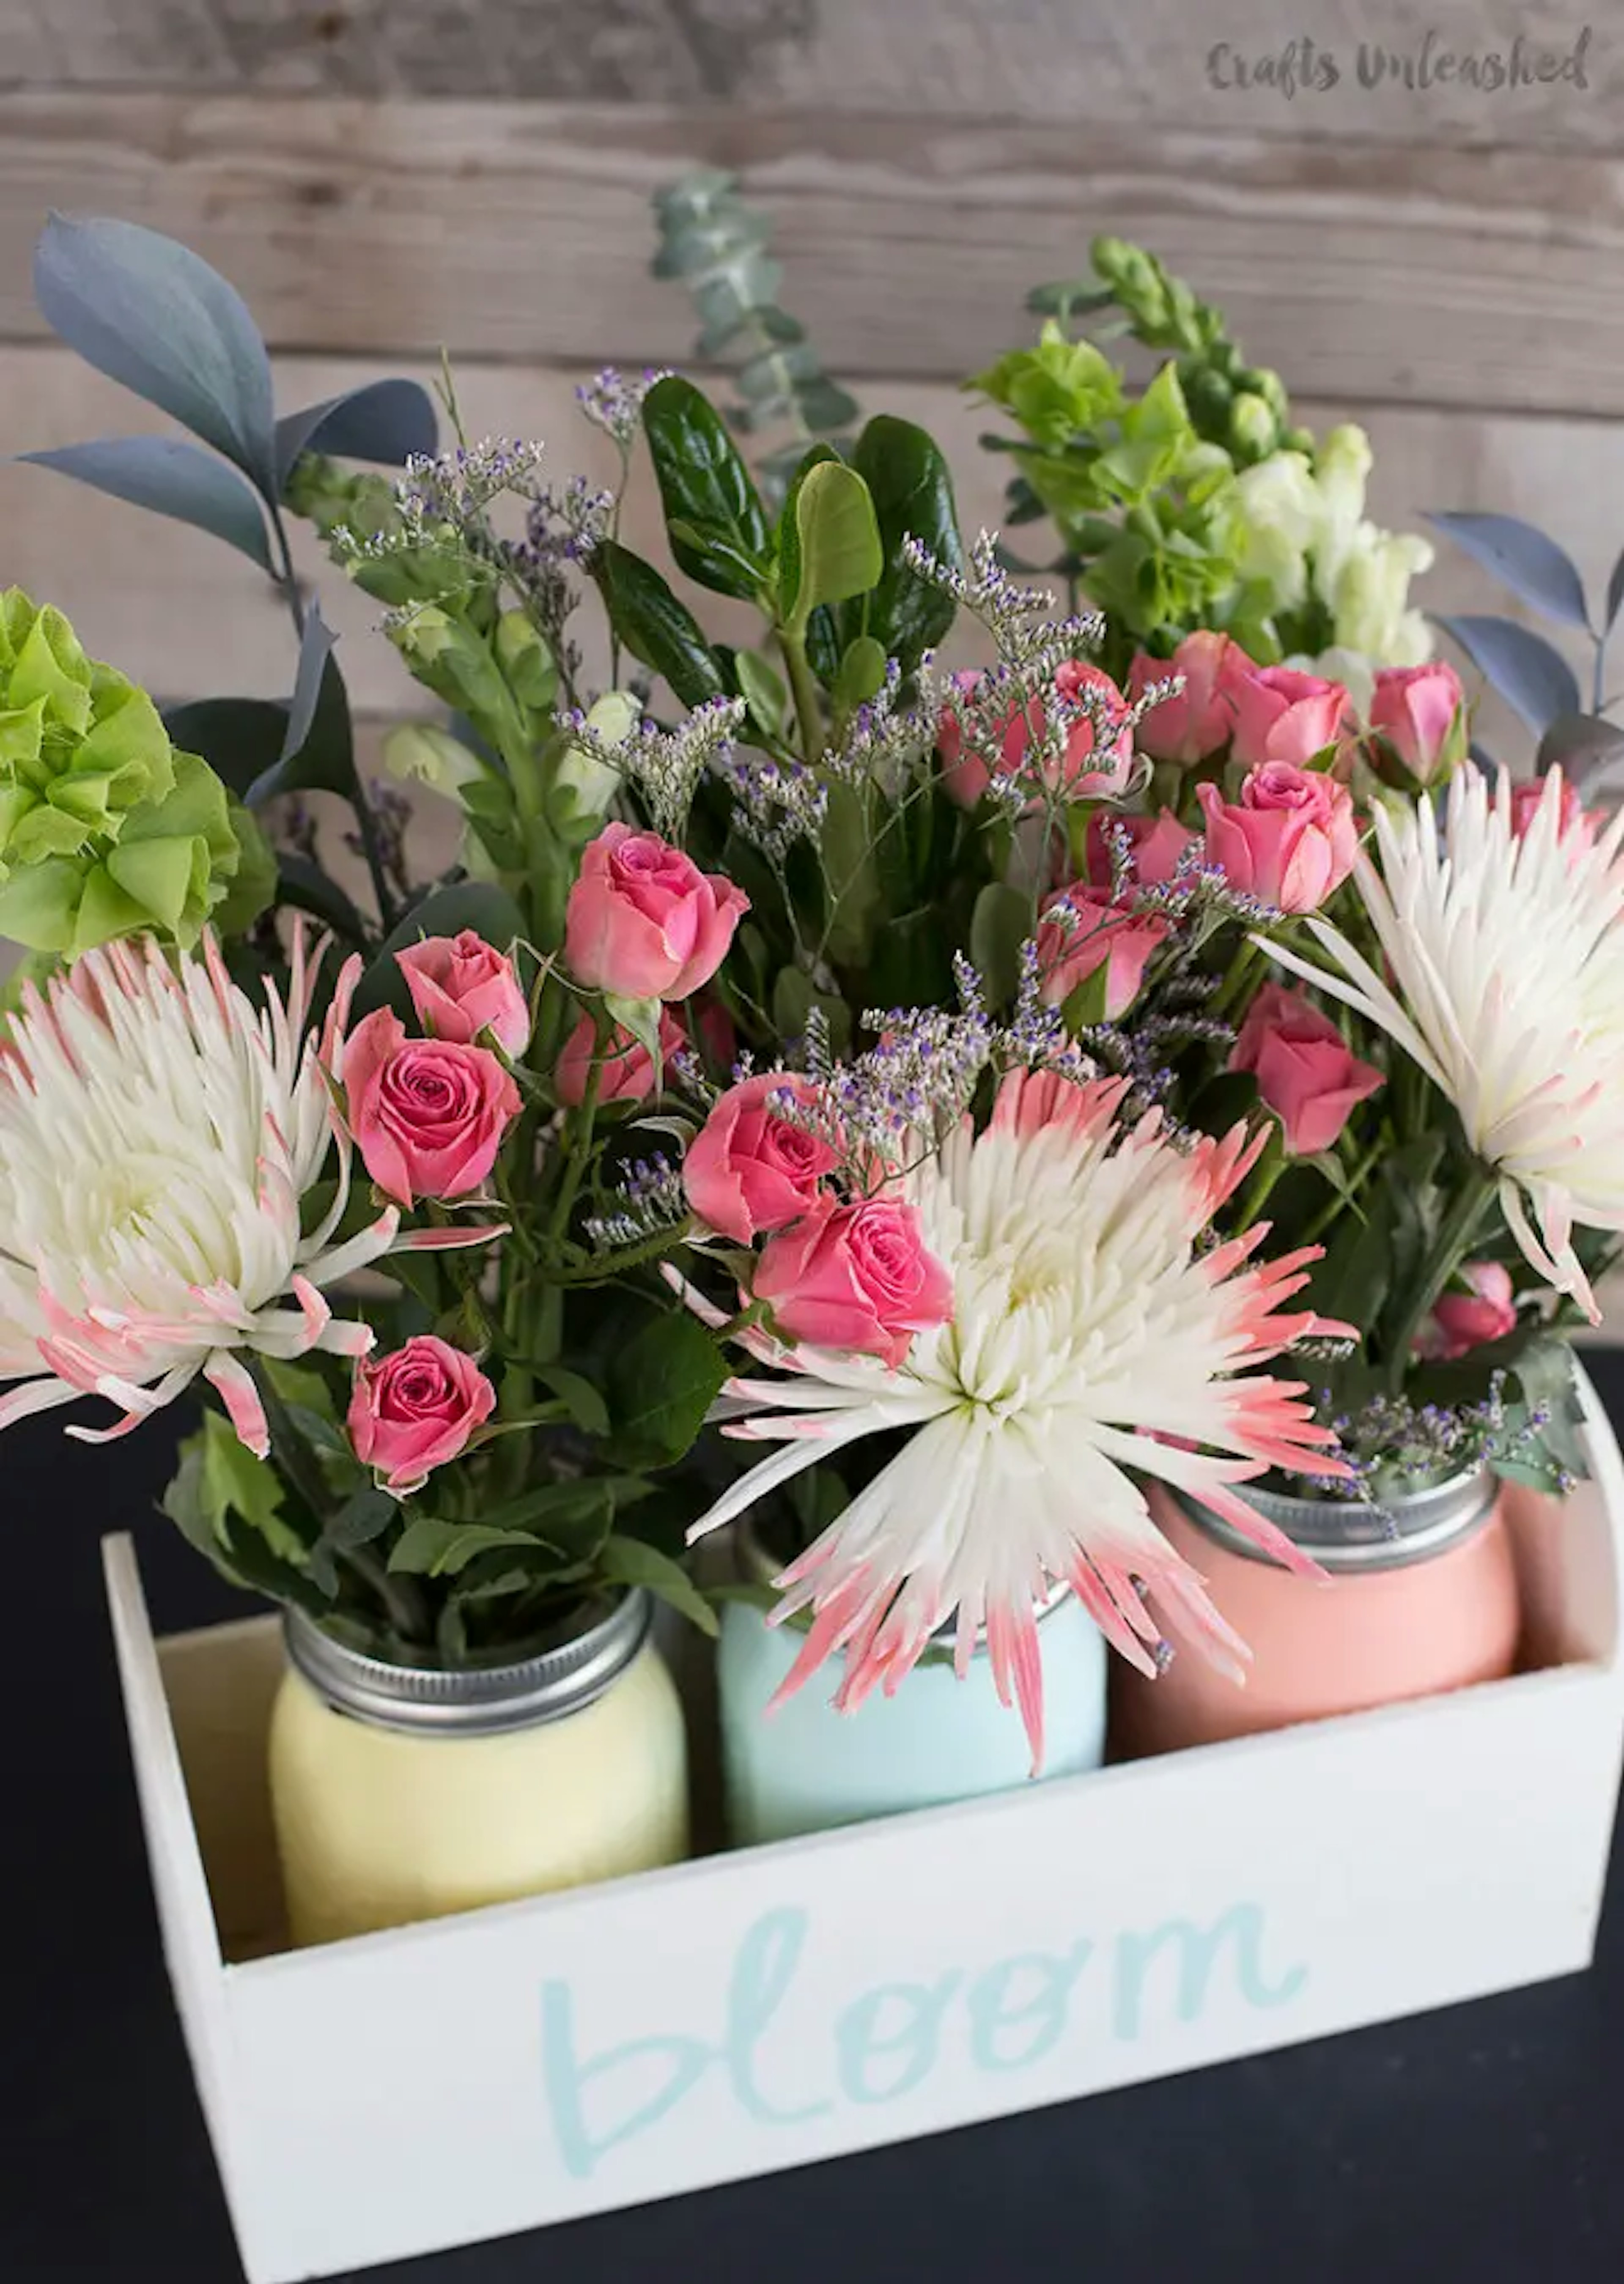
x,y
1523,558
386,421
172,478
1535,680
1615,594
153,317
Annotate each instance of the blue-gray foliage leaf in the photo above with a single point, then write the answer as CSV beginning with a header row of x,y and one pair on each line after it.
x,y
1536,570
317,752
172,478
384,420
1616,593
1588,749
153,316
1535,681
240,738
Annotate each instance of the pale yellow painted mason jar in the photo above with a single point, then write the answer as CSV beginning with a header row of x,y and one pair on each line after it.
x,y
402,1793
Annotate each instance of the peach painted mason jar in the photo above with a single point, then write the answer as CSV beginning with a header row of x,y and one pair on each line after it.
x,y
402,1793
1420,1595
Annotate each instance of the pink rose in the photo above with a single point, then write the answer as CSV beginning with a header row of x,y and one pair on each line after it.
x,y
643,922
1282,715
1461,1321
1155,846
1200,720
415,1409
1305,1072
427,1114
1290,840
628,1074
967,773
1576,826
749,1168
1100,934
854,1277
460,987
1421,712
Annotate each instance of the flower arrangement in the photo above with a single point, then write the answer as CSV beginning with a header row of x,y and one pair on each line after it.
x,y
1149,1052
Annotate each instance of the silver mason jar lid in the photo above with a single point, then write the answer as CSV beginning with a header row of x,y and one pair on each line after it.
x,y
482,1701
1343,1535
762,1568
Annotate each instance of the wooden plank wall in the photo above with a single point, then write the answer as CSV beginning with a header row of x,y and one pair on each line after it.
x,y
1444,262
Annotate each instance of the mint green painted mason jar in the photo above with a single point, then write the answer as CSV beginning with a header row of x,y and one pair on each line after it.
x,y
807,1768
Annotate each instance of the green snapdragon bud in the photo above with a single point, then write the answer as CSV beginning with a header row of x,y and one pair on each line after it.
x,y
1253,429
105,829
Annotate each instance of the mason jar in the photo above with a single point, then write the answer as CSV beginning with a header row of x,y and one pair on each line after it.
x,y
1419,1595
805,1767
404,1793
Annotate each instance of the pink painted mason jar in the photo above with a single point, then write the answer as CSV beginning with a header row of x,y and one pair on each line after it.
x,y
1419,1595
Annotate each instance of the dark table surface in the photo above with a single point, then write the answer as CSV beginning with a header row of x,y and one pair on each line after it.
x,y
1478,2144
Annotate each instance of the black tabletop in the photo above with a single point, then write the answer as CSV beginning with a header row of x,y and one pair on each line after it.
x,y
1470,2147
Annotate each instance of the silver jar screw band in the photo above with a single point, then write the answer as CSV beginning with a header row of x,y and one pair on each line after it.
x,y
1346,1535
474,1700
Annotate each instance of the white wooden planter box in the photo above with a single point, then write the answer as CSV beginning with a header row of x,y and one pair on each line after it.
x,y
458,2080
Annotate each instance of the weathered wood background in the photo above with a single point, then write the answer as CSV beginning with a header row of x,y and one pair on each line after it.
x,y
381,177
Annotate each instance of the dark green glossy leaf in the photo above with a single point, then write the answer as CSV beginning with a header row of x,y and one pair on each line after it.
x,y
662,1383
653,625
713,512
240,738
912,490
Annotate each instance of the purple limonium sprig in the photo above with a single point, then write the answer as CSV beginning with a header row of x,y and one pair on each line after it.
x,y
613,402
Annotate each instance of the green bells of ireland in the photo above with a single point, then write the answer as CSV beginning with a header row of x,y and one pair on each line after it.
x,y
105,827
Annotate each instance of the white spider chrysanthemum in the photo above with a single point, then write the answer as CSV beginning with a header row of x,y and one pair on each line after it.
x,y
1505,943
157,1135
1090,1337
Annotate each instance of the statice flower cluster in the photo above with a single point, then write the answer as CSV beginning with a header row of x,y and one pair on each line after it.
x,y
1021,620
453,491
894,1105
775,803
665,765
615,403
885,740
1390,1441
652,1202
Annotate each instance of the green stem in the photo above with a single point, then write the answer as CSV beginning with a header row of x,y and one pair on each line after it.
x,y
1334,1205
580,1139
1449,1249
1265,1174
611,1265
803,690
1236,983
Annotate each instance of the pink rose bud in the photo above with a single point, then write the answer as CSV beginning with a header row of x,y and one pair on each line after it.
x,y
427,1116
1421,713
1576,826
1155,846
1290,840
854,1277
967,771
413,1410
643,922
1200,721
1462,1321
1306,1073
1100,934
1282,715
628,1074
461,987
750,1168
